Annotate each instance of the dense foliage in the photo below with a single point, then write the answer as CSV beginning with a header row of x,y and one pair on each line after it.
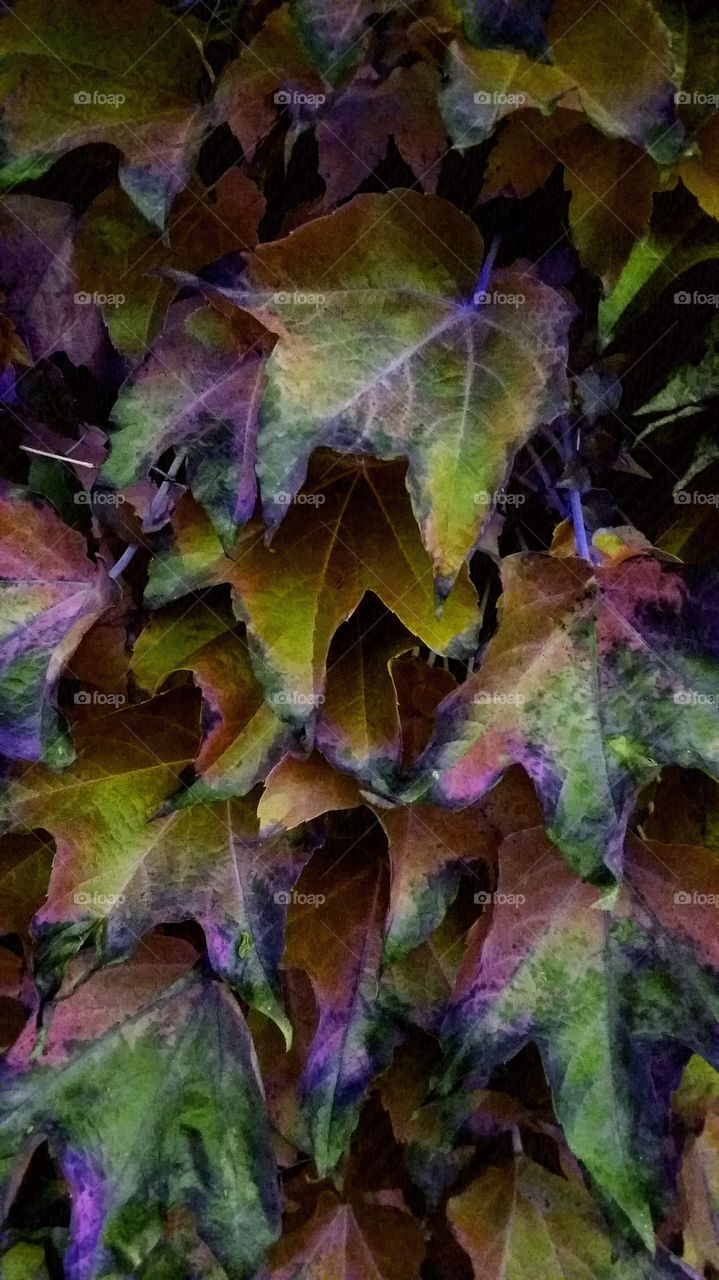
x,y
359,640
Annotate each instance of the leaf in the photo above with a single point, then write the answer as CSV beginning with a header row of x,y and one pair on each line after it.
x,y
37,272
485,85
351,1242
604,992
358,727
357,534
243,736
354,130
387,353
595,679
25,864
622,65
151,1108
98,811
428,848
273,62
700,172
700,1184
518,23
119,255
688,389
125,76
611,182
52,593
297,791
517,1221
671,247
336,937
335,33
199,387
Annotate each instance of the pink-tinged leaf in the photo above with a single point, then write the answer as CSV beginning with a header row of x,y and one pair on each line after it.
x,y
594,680
149,1108
51,594
612,999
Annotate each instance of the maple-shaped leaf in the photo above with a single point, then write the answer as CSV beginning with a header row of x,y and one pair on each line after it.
x,y
594,680
610,181
200,389
484,85
273,72
37,273
351,1241
127,76
122,868
334,933
385,349
350,531
243,736
51,594
151,1104
519,1222
119,256
610,991
354,129
623,66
